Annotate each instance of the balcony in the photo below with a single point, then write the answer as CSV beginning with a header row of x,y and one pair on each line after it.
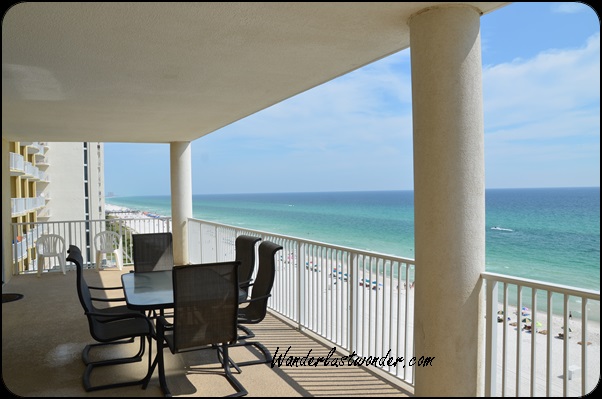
x,y
17,164
314,293
45,332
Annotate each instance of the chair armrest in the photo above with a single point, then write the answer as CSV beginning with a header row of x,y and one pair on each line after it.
x,y
124,316
108,299
162,321
105,288
245,284
255,299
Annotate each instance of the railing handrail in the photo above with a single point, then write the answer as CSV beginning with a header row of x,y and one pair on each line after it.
x,y
540,285
394,258
85,221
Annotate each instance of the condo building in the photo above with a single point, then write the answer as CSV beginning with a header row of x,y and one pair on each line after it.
x,y
50,182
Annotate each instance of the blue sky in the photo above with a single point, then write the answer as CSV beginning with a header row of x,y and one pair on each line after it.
x,y
541,93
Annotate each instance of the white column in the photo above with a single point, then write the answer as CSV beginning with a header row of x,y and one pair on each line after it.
x,y
449,190
181,198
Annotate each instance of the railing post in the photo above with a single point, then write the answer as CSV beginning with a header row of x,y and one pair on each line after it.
x,y
534,322
491,338
519,308
300,288
584,352
549,347
351,328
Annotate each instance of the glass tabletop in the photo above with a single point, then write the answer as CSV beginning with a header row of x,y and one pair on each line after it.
x,y
148,290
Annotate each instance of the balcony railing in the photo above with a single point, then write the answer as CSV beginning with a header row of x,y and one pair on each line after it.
x,y
533,359
17,164
362,302
80,233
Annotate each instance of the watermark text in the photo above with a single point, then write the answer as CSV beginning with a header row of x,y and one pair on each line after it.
x,y
330,360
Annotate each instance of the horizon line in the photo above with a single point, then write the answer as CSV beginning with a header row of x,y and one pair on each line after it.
x,y
344,191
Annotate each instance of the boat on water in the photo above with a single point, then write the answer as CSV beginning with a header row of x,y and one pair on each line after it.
x,y
500,228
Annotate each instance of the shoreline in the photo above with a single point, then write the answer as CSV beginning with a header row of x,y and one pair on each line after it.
x,y
145,222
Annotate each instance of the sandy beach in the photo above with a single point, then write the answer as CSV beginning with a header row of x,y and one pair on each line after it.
x,y
511,332
139,221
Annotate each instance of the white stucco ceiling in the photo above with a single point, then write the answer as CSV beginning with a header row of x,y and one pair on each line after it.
x,y
161,72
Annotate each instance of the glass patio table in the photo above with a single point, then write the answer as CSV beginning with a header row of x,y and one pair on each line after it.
x,y
148,290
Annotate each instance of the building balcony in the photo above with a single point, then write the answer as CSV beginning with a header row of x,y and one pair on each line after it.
x,y
42,160
17,164
45,332
343,298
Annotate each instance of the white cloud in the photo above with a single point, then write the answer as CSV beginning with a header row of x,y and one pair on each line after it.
x,y
370,105
542,119
569,7
554,85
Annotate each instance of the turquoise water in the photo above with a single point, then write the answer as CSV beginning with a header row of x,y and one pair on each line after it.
x,y
545,234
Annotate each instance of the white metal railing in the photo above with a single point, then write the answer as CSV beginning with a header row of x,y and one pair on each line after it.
x,y
358,300
373,311
538,338
80,233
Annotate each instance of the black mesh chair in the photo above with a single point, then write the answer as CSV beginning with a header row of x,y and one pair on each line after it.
x,y
110,326
245,253
256,309
152,252
205,311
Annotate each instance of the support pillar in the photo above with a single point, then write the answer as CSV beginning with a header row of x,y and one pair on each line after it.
x,y
181,198
449,198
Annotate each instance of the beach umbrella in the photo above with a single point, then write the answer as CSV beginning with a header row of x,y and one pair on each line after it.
x,y
527,320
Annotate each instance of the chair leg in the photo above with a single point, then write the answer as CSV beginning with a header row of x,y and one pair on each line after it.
x,y
161,365
151,366
266,354
119,258
240,390
63,263
136,358
91,366
98,260
248,332
40,265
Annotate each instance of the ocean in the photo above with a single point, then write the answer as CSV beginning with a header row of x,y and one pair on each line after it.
x,y
548,234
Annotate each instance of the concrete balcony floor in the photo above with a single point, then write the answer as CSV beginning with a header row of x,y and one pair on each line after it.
x,y
44,333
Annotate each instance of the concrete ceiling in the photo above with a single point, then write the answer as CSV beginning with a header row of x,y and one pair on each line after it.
x,y
161,72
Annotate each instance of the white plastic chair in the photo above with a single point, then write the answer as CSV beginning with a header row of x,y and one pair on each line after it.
x,y
51,246
108,242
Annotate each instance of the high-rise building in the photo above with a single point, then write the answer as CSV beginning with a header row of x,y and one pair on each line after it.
x,y
52,182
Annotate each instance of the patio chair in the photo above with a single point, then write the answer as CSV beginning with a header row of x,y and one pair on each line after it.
x,y
108,242
110,326
50,246
205,311
152,252
256,309
245,253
